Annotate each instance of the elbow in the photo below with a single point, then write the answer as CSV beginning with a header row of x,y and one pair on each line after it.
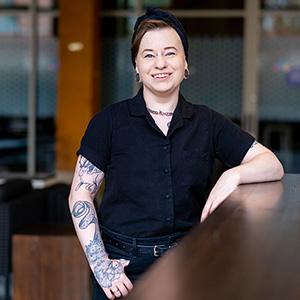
x,y
75,197
279,170
71,202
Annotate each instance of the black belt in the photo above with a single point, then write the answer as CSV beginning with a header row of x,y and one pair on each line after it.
x,y
155,250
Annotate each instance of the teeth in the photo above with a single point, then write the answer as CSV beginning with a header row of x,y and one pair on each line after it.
x,y
160,75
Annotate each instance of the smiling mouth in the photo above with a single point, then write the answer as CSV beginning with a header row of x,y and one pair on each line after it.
x,y
161,75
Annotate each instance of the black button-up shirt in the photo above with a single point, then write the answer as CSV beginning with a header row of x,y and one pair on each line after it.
x,y
157,184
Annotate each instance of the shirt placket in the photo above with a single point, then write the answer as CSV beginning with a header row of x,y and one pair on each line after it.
x,y
166,188
168,192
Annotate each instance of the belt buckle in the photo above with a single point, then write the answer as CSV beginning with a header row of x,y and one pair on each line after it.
x,y
156,251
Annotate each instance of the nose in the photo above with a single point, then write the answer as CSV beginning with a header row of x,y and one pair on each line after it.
x,y
160,62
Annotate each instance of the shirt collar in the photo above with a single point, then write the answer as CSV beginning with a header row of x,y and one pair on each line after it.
x,y
137,106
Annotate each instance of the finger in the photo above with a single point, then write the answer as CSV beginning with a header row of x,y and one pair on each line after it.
x,y
118,294
127,282
203,218
124,262
108,293
122,289
204,212
214,206
114,289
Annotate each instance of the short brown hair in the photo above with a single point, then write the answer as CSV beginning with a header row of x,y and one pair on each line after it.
x,y
144,27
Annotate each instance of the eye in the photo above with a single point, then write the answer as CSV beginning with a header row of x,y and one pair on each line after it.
x,y
170,53
149,55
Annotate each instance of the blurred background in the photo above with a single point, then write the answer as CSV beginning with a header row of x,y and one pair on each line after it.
x,y
244,62
62,61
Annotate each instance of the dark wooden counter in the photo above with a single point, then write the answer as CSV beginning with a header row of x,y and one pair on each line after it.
x,y
249,248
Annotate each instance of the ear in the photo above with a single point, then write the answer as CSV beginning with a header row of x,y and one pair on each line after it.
x,y
136,69
186,65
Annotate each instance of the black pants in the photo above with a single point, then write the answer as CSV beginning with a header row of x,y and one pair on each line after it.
x,y
139,262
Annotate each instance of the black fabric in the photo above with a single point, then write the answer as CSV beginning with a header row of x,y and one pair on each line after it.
x,y
157,184
171,20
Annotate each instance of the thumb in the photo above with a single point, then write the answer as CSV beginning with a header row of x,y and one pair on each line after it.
x,y
124,262
204,214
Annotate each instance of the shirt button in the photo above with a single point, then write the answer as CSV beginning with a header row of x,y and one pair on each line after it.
x,y
168,219
166,171
167,196
165,147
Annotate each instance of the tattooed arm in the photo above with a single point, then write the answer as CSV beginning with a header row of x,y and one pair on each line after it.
x,y
259,164
109,273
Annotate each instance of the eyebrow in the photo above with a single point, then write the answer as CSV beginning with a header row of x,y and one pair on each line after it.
x,y
166,48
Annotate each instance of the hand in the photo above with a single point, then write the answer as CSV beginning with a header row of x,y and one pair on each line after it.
x,y
222,189
111,277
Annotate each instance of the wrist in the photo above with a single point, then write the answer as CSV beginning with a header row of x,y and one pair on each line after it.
x,y
104,259
234,174
98,261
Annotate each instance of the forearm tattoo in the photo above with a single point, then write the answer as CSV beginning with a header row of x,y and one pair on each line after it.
x,y
105,270
84,209
89,176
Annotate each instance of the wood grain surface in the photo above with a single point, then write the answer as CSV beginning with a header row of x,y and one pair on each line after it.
x,y
49,267
249,248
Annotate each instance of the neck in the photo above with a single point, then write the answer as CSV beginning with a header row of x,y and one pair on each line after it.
x,y
162,102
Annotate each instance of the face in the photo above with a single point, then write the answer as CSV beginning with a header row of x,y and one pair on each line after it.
x,y
161,61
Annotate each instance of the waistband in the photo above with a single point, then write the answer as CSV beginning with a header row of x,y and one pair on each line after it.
x,y
154,246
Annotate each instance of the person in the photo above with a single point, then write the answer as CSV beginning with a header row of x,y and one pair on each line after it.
x,y
156,152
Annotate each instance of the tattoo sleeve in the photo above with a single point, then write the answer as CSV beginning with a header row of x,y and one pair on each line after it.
x,y
84,209
104,269
90,177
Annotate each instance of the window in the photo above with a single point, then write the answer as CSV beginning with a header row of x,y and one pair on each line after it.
x,y
28,94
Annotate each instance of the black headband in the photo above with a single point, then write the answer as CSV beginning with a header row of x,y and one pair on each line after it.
x,y
171,20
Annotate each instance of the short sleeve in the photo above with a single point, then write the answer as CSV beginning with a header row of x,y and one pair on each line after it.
x,y
231,143
96,143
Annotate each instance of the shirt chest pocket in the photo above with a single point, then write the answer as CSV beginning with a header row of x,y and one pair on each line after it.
x,y
195,167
